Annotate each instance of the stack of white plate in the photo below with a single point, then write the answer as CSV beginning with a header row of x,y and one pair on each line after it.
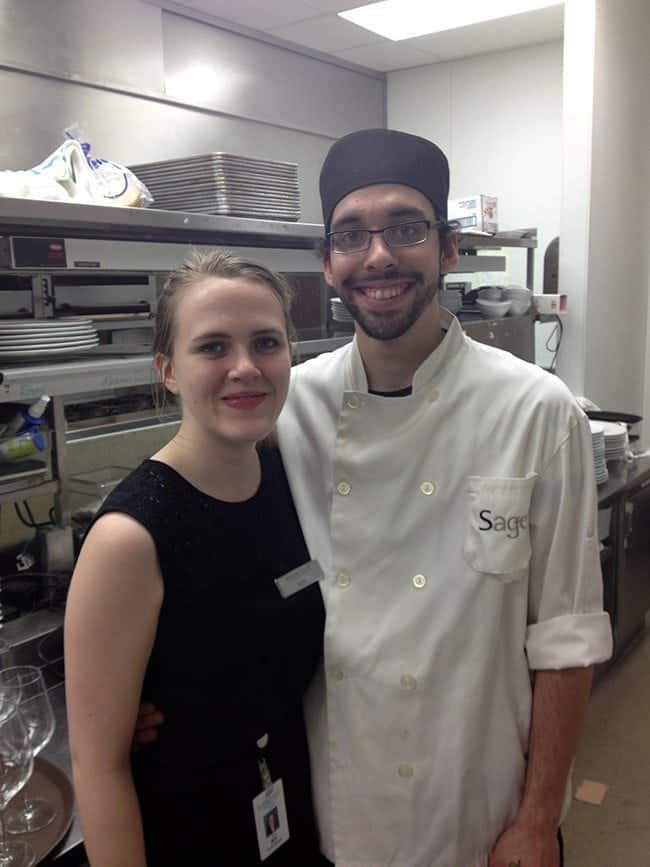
x,y
521,299
340,312
615,440
224,184
32,340
598,445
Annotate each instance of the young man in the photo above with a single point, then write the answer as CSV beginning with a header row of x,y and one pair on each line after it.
x,y
447,490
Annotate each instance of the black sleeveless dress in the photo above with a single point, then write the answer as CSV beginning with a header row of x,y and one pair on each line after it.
x,y
230,664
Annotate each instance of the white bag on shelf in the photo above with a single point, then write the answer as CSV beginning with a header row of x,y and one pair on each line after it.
x,y
70,174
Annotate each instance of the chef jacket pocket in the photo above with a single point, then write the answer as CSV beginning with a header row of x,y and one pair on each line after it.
x,y
497,539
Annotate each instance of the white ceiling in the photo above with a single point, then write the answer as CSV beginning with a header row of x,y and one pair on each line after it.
x,y
314,24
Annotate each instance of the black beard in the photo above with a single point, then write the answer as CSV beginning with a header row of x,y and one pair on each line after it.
x,y
390,326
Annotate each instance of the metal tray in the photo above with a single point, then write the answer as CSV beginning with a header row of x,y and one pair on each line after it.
x,y
49,782
255,197
252,213
219,156
183,182
226,208
220,179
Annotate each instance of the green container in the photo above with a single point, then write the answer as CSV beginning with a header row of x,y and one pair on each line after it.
x,y
21,446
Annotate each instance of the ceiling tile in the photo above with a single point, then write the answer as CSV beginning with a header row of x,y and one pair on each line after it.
x,y
386,56
541,25
323,6
257,14
325,33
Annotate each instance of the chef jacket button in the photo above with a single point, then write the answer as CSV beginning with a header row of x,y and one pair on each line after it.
x,y
407,681
405,771
343,488
427,488
337,673
343,579
434,395
419,581
353,402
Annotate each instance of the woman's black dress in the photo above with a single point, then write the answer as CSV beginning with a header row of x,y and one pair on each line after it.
x,y
230,664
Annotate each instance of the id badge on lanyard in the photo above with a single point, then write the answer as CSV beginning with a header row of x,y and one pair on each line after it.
x,y
269,808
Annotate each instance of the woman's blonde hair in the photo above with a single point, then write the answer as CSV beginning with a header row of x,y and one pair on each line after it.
x,y
198,266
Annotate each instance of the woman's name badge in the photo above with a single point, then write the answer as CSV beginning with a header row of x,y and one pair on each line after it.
x,y
271,819
299,578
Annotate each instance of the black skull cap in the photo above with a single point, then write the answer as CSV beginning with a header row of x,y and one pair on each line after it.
x,y
383,156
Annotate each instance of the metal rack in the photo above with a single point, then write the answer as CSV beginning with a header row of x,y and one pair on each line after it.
x,y
43,243
43,240
472,260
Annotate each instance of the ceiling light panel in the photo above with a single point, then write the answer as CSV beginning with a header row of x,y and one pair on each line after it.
x,y
406,19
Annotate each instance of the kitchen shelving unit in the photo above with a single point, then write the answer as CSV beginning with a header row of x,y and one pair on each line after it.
x,y
100,240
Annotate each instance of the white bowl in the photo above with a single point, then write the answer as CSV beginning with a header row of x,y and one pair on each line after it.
x,y
519,306
513,291
491,293
493,309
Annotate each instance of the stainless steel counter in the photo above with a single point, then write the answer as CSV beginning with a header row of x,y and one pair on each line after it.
x,y
623,475
58,752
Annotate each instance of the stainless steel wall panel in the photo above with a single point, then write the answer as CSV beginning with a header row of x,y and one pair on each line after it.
x,y
117,42
132,129
244,77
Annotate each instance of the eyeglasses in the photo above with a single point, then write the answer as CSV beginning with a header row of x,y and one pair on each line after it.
x,y
400,235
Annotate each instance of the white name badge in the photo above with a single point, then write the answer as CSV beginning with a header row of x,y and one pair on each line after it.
x,y
299,578
271,819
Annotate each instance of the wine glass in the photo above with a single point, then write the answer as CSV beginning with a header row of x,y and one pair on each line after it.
x,y
16,765
36,713
9,697
6,654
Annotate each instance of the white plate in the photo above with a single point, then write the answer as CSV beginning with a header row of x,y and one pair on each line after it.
x,y
42,340
614,428
34,353
43,323
45,333
87,341
37,326
45,339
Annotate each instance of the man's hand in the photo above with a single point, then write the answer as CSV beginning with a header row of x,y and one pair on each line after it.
x,y
146,725
520,846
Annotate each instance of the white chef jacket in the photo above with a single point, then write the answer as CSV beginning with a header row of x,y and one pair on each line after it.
x,y
457,531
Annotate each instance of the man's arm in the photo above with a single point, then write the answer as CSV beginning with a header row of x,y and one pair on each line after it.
x,y
559,703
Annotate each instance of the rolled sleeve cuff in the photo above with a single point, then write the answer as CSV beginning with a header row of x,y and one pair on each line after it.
x,y
570,641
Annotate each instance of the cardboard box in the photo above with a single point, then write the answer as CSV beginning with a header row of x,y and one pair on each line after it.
x,y
550,305
475,213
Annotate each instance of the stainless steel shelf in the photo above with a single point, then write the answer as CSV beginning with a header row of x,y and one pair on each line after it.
x,y
108,430
526,238
18,490
21,384
24,216
472,264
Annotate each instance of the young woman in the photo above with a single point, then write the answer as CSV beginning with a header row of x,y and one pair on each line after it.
x,y
174,598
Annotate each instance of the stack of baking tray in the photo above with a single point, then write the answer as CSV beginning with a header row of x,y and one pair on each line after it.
x,y
224,184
